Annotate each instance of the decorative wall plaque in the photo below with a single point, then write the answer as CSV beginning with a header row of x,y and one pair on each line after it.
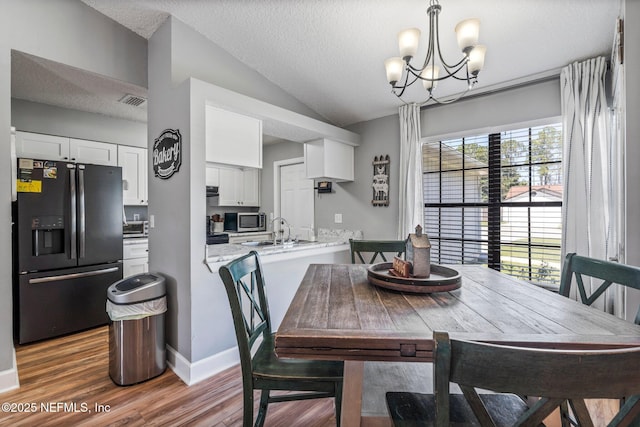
x,y
167,153
380,181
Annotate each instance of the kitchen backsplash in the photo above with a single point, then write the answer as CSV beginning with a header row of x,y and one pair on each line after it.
x,y
338,233
140,211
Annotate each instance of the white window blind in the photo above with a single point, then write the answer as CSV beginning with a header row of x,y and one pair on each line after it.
x,y
496,200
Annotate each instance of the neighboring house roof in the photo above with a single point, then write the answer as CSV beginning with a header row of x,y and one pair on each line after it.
x,y
551,191
451,158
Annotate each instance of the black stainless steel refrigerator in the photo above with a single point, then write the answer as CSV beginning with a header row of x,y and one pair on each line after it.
x,y
67,246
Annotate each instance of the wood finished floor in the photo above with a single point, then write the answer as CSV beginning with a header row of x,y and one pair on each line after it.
x,y
75,369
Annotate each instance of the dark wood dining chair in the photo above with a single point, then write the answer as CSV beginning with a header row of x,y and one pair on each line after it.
x,y
264,371
375,248
556,375
610,273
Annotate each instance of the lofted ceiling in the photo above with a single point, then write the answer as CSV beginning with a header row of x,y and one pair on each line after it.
x,y
329,54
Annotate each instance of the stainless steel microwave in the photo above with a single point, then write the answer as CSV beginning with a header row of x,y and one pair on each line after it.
x,y
245,221
135,229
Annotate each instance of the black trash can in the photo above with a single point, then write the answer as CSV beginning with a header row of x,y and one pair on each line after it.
x,y
137,306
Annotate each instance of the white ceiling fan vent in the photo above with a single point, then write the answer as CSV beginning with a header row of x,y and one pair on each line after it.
x,y
134,100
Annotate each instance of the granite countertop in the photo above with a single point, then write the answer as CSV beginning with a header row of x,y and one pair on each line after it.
x,y
229,251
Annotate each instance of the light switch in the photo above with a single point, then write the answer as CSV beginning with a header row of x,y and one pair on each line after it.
x,y
152,221
337,218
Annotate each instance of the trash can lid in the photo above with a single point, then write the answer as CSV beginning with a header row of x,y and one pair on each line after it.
x,y
137,288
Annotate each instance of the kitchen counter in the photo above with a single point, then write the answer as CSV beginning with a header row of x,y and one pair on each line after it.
x,y
217,254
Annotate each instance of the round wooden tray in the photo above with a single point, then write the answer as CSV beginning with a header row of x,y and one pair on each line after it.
x,y
442,279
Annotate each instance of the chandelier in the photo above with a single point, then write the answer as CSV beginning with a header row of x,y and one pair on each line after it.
x,y
401,73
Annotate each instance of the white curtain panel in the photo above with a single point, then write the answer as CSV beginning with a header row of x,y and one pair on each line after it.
x,y
586,165
411,204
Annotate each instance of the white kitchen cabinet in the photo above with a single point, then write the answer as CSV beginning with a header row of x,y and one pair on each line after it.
x,y
251,187
233,139
134,164
239,187
212,176
325,159
135,254
51,147
93,152
40,146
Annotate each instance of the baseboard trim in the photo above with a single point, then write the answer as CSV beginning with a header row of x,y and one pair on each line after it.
x,y
192,373
9,379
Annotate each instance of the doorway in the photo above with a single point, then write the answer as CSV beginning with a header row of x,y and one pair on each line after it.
x,y
294,197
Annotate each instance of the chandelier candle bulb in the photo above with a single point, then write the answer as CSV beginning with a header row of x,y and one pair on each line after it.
x,y
394,67
408,43
476,59
467,33
430,74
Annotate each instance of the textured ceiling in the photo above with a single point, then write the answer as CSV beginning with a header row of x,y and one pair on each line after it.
x,y
48,82
329,54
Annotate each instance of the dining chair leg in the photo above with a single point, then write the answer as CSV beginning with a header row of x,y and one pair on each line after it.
x,y
629,414
247,407
338,403
262,411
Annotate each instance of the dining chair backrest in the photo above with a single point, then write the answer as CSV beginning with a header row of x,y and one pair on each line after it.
x,y
244,284
555,375
375,248
582,267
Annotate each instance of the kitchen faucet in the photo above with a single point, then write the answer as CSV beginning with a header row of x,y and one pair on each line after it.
x,y
282,222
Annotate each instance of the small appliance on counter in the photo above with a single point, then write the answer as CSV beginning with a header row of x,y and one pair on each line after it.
x,y
245,221
135,229
214,228
218,238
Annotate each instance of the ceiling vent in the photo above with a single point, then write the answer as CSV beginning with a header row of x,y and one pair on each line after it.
x,y
134,100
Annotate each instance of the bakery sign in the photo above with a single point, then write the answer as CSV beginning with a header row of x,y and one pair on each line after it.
x,y
167,153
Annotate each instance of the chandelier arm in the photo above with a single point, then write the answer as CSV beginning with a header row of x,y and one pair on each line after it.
x,y
415,72
405,85
437,38
443,101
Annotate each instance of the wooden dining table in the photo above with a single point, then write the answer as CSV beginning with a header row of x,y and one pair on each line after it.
x,y
337,314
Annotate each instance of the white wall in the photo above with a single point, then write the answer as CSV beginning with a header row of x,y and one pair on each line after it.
x,y
72,33
632,155
51,120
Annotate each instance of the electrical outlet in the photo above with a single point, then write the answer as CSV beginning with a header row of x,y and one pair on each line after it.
x,y
337,218
152,221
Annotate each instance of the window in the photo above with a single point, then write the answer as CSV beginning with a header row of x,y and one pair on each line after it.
x,y
496,200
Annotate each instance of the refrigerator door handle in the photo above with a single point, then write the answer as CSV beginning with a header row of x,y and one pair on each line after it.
x,y
82,218
72,194
49,279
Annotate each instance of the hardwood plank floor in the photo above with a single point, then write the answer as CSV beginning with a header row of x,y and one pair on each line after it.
x,y
74,371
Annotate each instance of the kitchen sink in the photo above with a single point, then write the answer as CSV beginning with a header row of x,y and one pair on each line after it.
x,y
278,243
260,243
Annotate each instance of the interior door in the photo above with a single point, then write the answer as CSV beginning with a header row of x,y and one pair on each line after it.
x,y
296,200
100,194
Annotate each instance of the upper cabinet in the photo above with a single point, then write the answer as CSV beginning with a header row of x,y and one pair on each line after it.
x,y
50,147
239,187
212,176
134,164
329,160
96,153
45,147
233,139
